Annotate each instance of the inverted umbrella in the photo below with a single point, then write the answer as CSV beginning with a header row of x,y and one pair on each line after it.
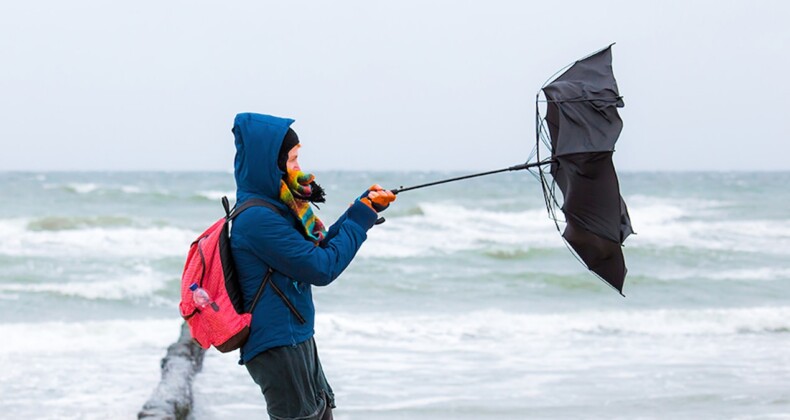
x,y
583,125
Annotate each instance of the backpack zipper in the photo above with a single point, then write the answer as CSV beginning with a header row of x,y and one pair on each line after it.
x,y
202,260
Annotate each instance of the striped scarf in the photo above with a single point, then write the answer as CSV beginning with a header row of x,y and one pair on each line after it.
x,y
294,190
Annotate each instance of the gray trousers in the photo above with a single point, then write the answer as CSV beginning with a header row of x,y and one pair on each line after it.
x,y
293,382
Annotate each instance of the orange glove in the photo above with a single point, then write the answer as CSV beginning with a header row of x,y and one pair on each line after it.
x,y
377,198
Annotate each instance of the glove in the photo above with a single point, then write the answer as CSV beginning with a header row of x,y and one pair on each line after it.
x,y
377,198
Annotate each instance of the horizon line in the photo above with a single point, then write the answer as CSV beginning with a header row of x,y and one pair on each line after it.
x,y
230,171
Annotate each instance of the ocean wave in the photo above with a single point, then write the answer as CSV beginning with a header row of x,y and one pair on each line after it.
x,y
698,224
141,283
440,229
81,188
491,326
759,236
55,223
722,274
89,337
405,212
432,229
686,205
216,195
131,189
582,280
92,188
518,253
93,241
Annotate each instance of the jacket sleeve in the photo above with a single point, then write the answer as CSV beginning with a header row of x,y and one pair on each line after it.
x,y
332,231
335,228
272,238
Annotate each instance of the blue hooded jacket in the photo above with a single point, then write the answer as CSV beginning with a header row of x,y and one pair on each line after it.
x,y
262,238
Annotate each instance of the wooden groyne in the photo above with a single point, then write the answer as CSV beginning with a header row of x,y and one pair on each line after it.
x,y
172,398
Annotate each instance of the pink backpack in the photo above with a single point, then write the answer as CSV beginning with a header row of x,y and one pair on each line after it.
x,y
224,323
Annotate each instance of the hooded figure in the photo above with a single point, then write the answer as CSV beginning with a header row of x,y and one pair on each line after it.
x,y
280,353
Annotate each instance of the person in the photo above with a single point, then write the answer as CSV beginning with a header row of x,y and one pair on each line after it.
x,y
280,354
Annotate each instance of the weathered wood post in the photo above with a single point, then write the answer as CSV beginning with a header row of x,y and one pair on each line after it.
x,y
172,398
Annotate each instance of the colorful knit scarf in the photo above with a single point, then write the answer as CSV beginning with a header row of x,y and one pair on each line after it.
x,y
294,190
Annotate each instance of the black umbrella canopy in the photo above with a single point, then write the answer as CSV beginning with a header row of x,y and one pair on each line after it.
x,y
584,125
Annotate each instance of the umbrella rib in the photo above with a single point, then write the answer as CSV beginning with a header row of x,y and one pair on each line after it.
x,y
558,101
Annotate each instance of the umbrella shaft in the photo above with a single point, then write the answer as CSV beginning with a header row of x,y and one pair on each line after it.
x,y
460,178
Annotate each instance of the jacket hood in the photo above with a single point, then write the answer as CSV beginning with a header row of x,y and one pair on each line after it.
x,y
258,139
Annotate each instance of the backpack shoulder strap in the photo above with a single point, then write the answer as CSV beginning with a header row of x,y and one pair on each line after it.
x,y
253,202
230,215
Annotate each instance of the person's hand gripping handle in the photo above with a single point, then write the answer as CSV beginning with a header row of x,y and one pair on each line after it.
x,y
378,199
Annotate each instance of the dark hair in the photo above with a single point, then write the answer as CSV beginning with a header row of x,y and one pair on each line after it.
x,y
289,141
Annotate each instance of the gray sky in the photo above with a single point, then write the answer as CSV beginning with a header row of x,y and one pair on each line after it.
x,y
444,85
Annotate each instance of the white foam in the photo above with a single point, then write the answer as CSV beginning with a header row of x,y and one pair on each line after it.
x,y
131,189
444,228
702,224
143,283
434,365
86,370
82,188
216,195
111,241
441,228
650,210
490,327
761,236
496,358
91,337
690,205
753,274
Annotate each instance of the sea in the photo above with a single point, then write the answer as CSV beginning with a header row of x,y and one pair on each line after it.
x,y
465,304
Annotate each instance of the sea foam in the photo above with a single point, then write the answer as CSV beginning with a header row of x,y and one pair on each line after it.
x,y
494,326
93,241
143,282
440,229
90,337
216,195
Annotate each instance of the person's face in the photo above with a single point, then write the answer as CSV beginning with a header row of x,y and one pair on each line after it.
x,y
293,159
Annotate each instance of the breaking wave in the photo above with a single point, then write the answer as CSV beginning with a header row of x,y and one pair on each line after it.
x,y
52,237
139,284
440,229
492,326
57,223
97,189
90,337
216,195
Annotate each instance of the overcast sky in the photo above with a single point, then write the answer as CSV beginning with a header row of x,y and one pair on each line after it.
x,y
427,85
